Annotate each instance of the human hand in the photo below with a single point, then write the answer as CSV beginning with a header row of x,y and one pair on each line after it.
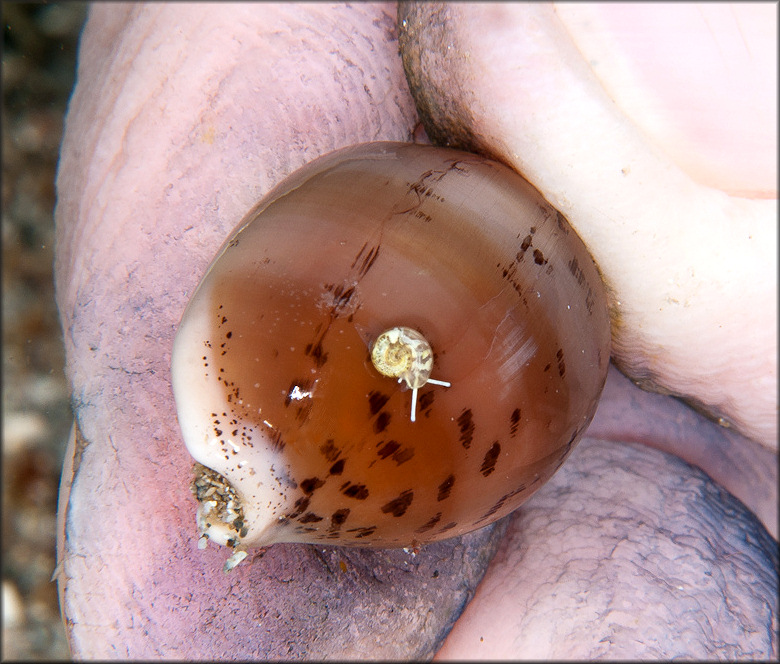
x,y
183,117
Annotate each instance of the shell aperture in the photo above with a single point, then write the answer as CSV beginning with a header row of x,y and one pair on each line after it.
x,y
278,393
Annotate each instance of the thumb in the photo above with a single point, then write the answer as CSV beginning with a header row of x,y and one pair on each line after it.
x,y
690,269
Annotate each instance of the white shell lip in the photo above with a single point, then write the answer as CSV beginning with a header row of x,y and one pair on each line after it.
x,y
198,393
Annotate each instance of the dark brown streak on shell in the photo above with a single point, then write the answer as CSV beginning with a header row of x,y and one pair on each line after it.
x,y
377,401
388,448
428,525
329,450
301,505
514,422
403,455
356,491
579,275
398,506
368,259
422,189
445,487
362,532
277,442
490,459
310,485
499,504
343,295
426,399
338,518
561,363
381,422
310,517
467,427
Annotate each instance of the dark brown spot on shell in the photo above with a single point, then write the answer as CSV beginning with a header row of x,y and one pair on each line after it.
x,y
316,352
301,505
428,525
377,401
499,504
466,425
329,450
308,486
398,506
403,455
492,510
277,443
310,517
445,487
388,448
356,491
338,518
426,399
489,461
576,270
524,247
381,422
368,259
514,421
342,297
337,468
447,527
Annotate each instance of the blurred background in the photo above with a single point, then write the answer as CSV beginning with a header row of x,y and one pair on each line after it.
x,y
38,72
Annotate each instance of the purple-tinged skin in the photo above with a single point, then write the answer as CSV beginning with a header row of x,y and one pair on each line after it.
x,y
182,118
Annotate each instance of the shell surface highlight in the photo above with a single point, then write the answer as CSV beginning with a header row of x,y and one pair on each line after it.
x,y
272,368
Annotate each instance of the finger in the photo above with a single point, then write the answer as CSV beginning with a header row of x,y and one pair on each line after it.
x,y
698,80
182,118
743,467
626,553
691,269
556,589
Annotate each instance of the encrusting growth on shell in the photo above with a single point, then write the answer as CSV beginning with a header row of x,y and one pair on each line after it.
x,y
404,353
220,515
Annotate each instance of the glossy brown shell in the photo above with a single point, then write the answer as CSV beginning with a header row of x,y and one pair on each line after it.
x,y
272,374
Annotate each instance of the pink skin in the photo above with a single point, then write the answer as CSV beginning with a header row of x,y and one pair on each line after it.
x,y
703,90
699,318
182,118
